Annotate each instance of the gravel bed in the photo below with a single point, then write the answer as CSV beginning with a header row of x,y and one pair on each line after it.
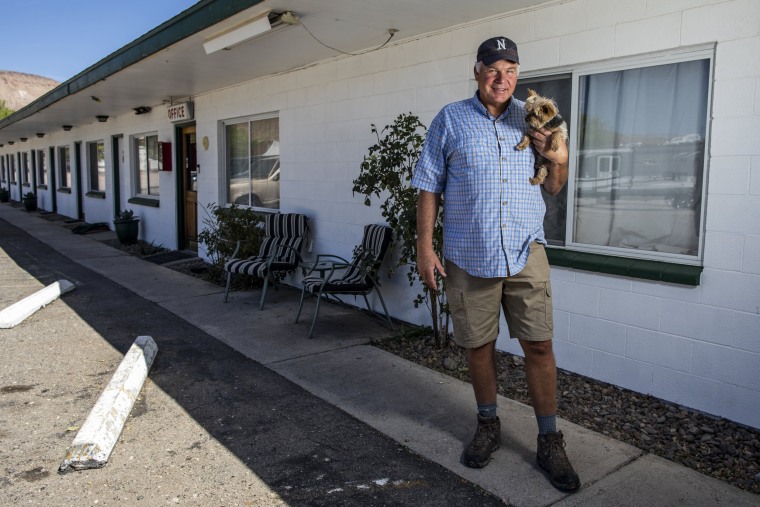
x,y
717,447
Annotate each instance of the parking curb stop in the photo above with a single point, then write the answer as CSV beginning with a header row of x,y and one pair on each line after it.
x,y
17,312
96,439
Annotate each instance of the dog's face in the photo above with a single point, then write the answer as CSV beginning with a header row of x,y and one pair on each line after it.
x,y
539,110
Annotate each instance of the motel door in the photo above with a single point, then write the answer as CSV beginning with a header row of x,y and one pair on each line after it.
x,y
189,168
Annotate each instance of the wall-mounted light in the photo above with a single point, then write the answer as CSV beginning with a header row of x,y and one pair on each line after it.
x,y
142,110
102,118
246,31
23,139
66,127
40,135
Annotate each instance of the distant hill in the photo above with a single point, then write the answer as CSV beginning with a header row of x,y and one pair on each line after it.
x,y
18,89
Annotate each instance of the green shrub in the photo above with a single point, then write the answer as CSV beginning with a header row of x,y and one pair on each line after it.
x,y
224,226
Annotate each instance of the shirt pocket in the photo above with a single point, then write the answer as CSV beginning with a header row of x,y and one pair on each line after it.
x,y
470,153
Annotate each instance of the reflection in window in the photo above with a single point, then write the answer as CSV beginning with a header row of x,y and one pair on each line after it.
x,y
41,169
252,161
558,88
64,167
24,168
640,158
96,163
146,165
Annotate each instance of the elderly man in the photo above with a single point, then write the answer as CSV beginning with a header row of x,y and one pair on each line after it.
x,y
494,246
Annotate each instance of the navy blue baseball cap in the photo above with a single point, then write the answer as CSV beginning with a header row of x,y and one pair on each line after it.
x,y
497,48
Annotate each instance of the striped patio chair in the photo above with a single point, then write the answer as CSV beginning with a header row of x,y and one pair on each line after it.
x,y
358,277
284,236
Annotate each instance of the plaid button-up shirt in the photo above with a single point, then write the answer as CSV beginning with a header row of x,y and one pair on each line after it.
x,y
491,211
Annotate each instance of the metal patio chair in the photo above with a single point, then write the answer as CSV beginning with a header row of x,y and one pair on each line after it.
x,y
280,251
357,277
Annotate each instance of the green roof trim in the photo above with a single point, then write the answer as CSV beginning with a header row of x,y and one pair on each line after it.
x,y
198,17
622,266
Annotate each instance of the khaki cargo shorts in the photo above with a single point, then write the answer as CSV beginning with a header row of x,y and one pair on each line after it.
x,y
526,299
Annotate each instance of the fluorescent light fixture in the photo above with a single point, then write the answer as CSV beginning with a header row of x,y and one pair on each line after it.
x,y
246,31
239,34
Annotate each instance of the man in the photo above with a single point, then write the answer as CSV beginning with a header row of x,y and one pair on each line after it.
x,y
494,246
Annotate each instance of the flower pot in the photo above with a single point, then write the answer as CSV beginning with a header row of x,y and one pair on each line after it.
x,y
127,231
30,202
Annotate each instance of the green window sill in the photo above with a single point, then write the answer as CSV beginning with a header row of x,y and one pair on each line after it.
x,y
634,268
144,201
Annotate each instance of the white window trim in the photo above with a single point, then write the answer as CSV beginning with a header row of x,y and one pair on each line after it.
x,y
135,167
223,187
683,54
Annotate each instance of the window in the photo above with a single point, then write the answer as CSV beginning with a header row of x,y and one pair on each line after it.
x,y
41,168
637,159
64,167
96,164
25,175
12,168
252,162
146,164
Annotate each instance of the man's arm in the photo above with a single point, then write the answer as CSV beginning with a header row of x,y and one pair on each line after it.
x,y
427,260
557,176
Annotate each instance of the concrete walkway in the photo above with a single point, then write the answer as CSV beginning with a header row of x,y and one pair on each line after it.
x,y
428,412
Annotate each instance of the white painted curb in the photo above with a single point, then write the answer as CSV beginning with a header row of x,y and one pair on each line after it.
x,y
17,312
97,437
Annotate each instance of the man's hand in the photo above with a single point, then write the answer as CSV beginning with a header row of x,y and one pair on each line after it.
x,y
427,260
557,177
427,264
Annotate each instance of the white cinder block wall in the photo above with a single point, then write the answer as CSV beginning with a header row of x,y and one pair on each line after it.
x,y
697,346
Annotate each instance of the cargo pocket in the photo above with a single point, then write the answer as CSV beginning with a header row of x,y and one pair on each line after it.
x,y
548,307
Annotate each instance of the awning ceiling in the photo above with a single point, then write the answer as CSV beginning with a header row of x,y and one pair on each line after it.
x,y
169,62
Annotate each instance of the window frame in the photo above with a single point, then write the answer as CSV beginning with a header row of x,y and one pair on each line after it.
x,y
136,169
90,165
41,165
63,161
576,73
225,184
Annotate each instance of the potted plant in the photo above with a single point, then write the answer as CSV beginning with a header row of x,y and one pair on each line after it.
x,y
126,225
30,201
5,196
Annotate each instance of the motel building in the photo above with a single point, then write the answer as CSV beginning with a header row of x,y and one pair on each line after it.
x,y
654,243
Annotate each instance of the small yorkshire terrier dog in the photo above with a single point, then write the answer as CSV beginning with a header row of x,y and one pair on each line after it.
x,y
542,112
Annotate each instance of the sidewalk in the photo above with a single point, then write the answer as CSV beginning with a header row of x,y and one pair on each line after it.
x,y
426,411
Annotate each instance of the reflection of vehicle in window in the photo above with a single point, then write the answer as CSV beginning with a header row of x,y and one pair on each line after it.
x,y
262,188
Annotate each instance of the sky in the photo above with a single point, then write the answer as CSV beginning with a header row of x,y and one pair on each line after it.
x,y
58,39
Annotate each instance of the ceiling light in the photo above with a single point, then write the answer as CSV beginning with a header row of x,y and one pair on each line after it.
x,y
142,110
11,142
102,118
66,127
93,97
40,135
250,29
23,139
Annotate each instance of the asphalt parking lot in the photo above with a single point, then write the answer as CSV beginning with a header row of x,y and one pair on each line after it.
x,y
211,427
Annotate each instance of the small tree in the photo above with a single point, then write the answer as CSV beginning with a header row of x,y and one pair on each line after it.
x,y
386,173
4,110
224,226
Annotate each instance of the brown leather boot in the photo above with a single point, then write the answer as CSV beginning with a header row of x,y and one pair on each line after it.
x,y
487,439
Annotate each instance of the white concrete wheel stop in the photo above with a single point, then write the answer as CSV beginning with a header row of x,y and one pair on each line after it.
x,y
101,430
17,312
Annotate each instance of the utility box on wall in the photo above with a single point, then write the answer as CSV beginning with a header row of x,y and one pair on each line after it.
x,y
164,156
